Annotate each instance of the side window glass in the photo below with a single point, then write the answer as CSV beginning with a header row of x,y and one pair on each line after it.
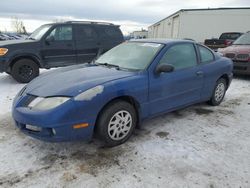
x,y
206,55
108,31
61,33
86,32
180,56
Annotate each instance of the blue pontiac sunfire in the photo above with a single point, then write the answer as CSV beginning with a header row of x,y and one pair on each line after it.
x,y
132,82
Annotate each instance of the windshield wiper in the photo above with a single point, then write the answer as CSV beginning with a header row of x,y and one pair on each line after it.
x,y
30,38
108,65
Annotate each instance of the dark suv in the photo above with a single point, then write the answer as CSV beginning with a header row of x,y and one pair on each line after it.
x,y
57,45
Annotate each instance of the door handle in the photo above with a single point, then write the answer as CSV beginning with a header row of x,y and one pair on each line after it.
x,y
199,73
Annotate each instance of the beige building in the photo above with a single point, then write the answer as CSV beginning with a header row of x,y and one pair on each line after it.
x,y
201,24
140,34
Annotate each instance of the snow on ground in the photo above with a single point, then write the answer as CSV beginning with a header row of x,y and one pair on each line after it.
x,y
200,146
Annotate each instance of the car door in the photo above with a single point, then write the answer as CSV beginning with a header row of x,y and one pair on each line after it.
x,y
87,44
59,47
211,72
181,87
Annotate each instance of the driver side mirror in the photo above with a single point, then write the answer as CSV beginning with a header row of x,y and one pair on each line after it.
x,y
164,68
49,39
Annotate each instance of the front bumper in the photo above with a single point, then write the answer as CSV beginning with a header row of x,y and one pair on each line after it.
x,y
241,68
3,64
55,125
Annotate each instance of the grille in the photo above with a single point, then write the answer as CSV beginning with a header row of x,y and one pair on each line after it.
x,y
230,55
243,57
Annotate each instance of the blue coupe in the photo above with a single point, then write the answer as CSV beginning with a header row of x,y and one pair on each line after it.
x,y
134,81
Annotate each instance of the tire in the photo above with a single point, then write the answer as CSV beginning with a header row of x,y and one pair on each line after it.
x,y
218,93
24,70
111,129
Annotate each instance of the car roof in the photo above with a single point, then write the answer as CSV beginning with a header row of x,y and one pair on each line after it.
x,y
84,23
162,41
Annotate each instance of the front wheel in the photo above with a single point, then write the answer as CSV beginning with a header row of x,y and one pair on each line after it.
x,y
219,92
116,123
24,70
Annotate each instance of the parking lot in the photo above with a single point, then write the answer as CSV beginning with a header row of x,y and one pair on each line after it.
x,y
200,146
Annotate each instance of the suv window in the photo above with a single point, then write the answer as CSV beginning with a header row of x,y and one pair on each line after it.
x,y
61,33
206,55
180,56
113,32
86,32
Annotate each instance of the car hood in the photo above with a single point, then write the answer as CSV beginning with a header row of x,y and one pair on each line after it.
x,y
15,42
71,81
236,49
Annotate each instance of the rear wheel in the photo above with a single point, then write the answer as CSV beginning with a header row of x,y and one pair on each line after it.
x,y
116,123
24,70
219,92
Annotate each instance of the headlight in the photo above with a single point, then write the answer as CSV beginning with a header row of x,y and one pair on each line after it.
x,y
40,103
3,51
90,93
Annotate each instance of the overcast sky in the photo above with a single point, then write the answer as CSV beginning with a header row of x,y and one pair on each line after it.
x,y
130,14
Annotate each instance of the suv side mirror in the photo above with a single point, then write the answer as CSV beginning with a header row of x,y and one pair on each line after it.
x,y
164,68
49,39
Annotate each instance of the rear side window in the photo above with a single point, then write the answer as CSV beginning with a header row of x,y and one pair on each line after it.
x,y
113,32
61,33
180,56
206,55
85,32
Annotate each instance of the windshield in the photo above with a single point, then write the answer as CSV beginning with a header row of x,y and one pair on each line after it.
x,y
131,55
230,36
243,40
38,33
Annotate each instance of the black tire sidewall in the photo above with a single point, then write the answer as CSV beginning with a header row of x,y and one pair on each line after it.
x,y
15,70
105,117
213,101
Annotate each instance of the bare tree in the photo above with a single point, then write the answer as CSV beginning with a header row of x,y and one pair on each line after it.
x,y
17,25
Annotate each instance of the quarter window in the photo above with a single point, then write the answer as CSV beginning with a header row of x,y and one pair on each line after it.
x,y
180,56
86,32
206,55
61,33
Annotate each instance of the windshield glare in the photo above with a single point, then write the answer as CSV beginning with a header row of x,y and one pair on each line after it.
x,y
131,55
38,33
243,40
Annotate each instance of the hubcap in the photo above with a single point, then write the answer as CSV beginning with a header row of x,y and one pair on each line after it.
x,y
25,71
120,125
219,92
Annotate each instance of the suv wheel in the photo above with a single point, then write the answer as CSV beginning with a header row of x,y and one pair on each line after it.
x,y
24,70
219,92
116,123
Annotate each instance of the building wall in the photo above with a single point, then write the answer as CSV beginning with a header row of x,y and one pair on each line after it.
x,y
162,29
200,25
140,34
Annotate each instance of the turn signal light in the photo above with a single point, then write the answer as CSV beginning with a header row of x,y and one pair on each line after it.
x,y
3,51
79,126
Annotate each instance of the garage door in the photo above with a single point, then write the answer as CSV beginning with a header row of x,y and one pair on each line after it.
x,y
175,26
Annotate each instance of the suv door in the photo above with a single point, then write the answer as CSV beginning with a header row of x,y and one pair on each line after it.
x,y
59,47
181,87
87,45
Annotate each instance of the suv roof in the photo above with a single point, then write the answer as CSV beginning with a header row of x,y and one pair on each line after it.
x,y
84,22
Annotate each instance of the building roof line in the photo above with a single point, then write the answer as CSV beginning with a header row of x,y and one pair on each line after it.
x,y
201,9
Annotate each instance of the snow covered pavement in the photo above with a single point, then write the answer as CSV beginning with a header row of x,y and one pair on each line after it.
x,y
200,146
